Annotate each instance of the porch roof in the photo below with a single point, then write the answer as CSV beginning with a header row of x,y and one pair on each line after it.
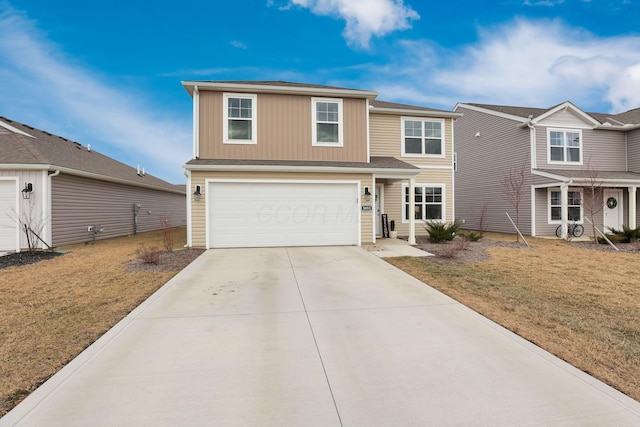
x,y
585,176
376,165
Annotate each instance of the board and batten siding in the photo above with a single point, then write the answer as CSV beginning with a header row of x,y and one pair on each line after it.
x,y
28,210
601,150
79,202
483,162
284,130
198,209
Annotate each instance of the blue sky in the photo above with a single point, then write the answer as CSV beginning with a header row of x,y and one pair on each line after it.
x,y
108,73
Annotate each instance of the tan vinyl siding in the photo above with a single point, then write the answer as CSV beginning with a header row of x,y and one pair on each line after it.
x,y
394,196
601,150
485,160
633,150
198,209
78,203
284,130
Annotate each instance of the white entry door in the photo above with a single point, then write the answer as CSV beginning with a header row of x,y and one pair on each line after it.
x,y
612,209
260,214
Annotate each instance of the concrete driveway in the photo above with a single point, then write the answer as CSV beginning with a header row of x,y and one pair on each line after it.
x,y
329,336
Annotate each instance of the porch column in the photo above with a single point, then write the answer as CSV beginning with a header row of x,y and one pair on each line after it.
x,y
564,208
632,207
412,211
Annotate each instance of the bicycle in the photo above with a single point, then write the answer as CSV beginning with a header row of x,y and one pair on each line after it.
x,y
573,229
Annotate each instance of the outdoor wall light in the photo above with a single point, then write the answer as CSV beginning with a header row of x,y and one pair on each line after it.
x,y
367,194
197,194
27,190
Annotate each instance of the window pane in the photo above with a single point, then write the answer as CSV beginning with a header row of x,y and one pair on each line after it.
x,y
573,154
556,213
327,132
412,128
574,214
434,194
433,146
555,198
434,212
557,154
240,129
413,145
419,212
573,139
556,138
418,194
432,129
573,198
240,107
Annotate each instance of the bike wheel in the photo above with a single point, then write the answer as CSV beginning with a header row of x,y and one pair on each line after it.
x,y
559,231
578,230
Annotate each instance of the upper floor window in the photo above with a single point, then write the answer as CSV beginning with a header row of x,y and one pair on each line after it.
x,y
239,124
422,137
429,203
565,146
327,122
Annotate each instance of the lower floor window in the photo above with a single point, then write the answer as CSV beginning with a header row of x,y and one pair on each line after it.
x,y
574,205
428,203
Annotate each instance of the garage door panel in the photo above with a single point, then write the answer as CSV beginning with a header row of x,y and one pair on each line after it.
x,y
282,214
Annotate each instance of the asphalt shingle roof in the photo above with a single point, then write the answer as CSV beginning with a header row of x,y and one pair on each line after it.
x,y
43,148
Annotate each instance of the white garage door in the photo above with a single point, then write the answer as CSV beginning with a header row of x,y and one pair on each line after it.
x,y
8,227
258,214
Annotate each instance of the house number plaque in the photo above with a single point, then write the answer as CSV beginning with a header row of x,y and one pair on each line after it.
x,y
367,208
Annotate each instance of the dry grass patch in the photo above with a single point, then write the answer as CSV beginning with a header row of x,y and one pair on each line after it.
x,y
581,305
52,310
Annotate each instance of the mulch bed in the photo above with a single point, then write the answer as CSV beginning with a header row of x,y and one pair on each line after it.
x,y
25,258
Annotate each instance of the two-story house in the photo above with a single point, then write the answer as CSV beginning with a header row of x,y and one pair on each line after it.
x,y
572,165
290,164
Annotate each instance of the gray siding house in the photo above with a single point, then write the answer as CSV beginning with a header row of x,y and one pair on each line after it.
x,y
574,163
62,189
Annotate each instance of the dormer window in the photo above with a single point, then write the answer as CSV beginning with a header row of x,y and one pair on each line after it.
x,y
240,112
327,122
565,146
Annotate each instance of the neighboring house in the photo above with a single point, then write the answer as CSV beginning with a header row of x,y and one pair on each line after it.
x,y
290,164
60,189
573,163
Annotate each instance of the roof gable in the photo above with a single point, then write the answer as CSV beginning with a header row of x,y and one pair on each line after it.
x,y
565,114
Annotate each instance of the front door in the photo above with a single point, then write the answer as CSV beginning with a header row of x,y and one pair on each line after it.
x,y
612,209
379,209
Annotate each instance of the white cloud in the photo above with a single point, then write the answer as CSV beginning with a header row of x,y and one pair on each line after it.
x,y
364,18
532,63
44,88
238,44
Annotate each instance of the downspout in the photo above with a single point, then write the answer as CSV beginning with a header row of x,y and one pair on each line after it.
x,y
196,122
47,208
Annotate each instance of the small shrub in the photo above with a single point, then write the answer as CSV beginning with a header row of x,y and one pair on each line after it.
x,y
448,251
167,235
461,243
442,231
149,255
472,236
626,235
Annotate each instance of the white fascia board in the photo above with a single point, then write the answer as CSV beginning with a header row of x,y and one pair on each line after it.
x,y
492,112
621,128
414,113
548,175
294,90
23,167
14,130
567,105
325,169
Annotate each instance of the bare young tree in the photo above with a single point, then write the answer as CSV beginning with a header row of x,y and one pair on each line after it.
x,y
592,198
31,225
513,189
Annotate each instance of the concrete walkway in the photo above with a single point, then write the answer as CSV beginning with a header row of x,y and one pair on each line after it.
x,y
314,337
389,248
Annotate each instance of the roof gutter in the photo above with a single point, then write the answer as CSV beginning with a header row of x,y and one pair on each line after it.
x,y
411,112
258,88
281,168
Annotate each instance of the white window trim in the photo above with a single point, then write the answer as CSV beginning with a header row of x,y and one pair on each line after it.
x,y
556,221
422,119
225,119
444,202
314,122
567,163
